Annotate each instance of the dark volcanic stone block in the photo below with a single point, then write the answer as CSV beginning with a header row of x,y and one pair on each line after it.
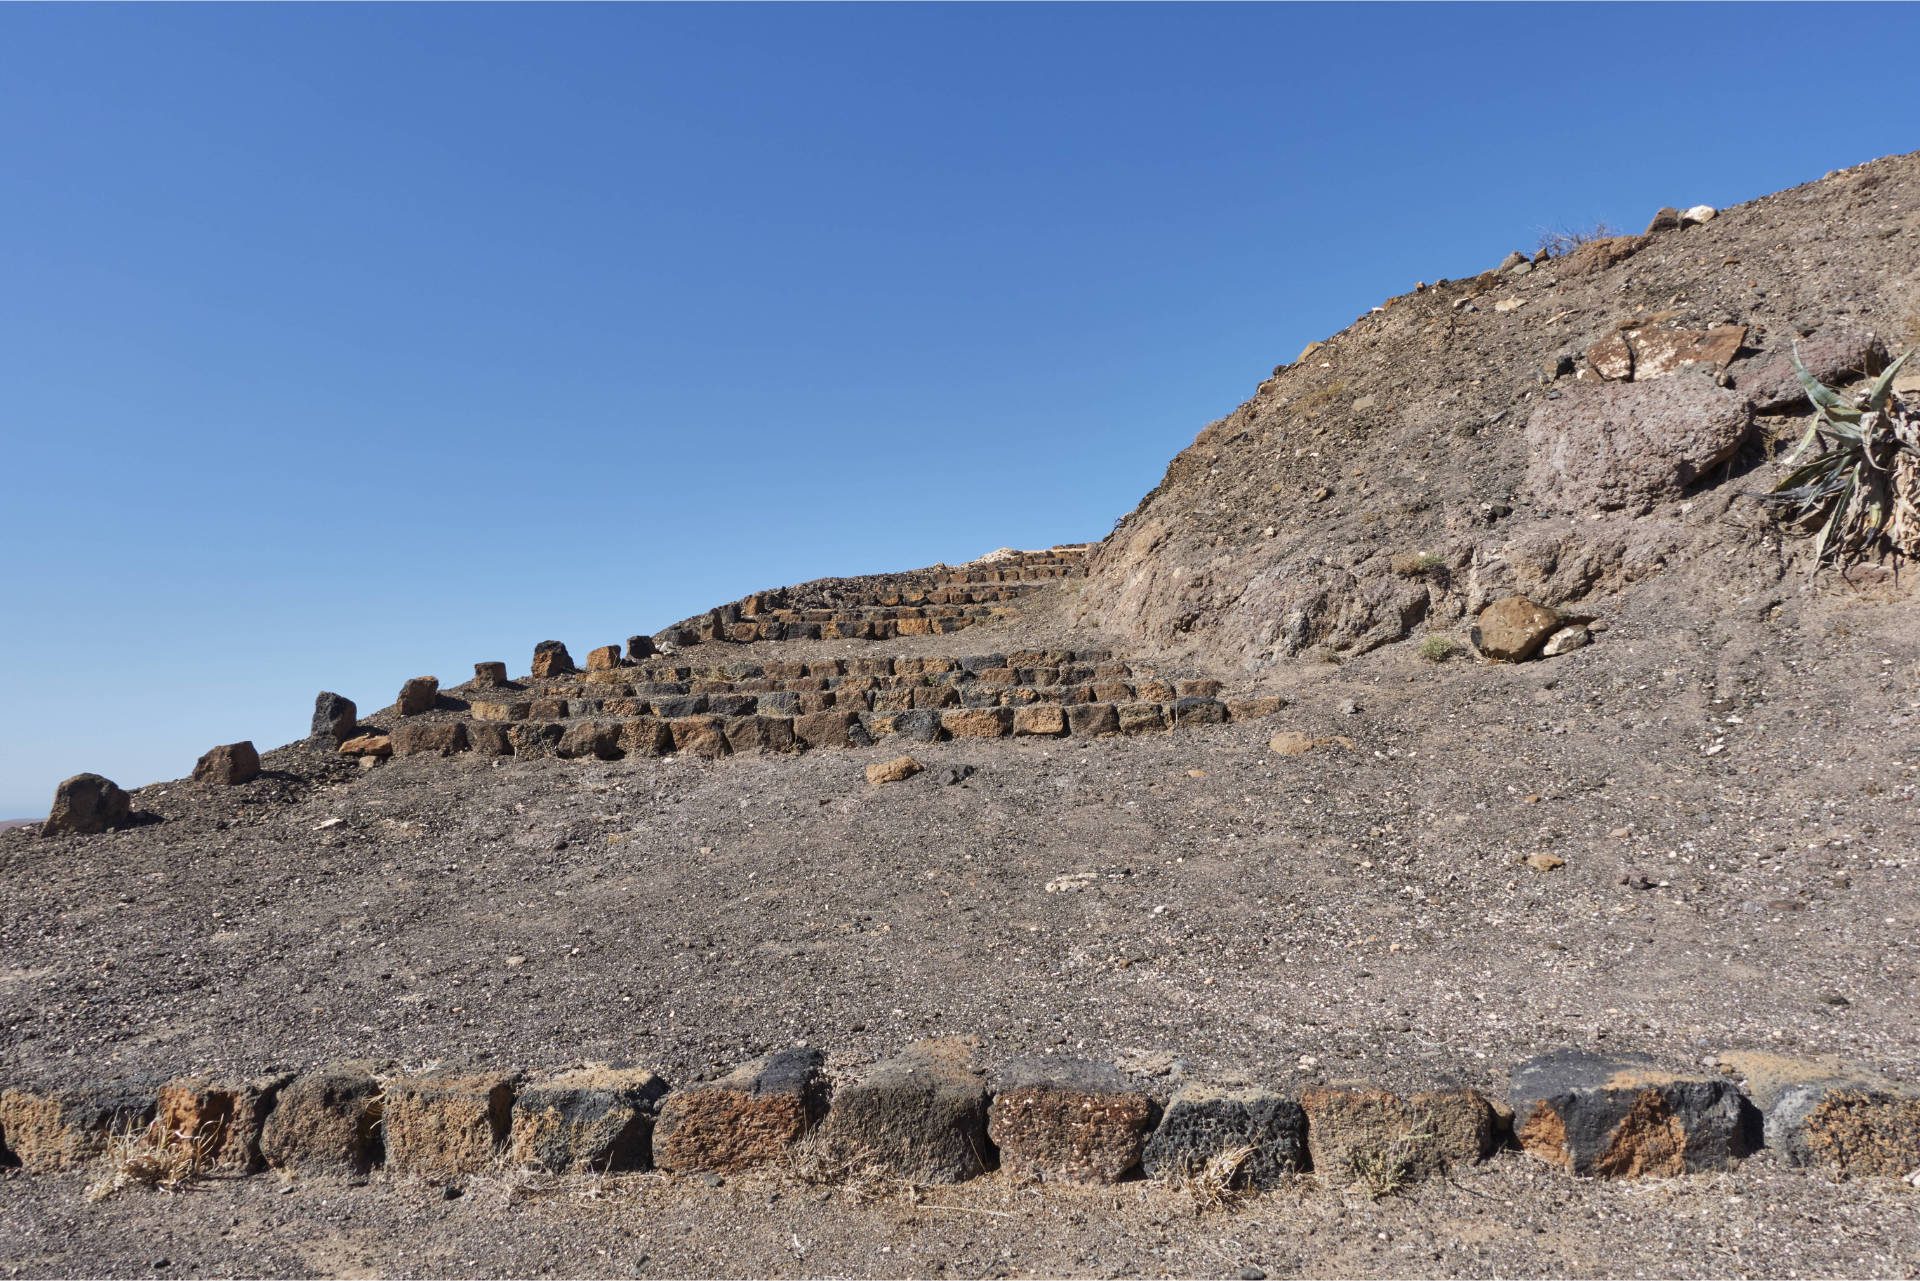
x,y
1199,711
327,1119
672,708
535,738
760,733
1622,1116
224,1117
443,739
1832,1113
85,805
1086,720
587,1118
752,1116
921,1116
333,717
1202,1122
1070,1120
599,740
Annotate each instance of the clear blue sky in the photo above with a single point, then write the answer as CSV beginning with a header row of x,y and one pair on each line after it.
x,y
340,344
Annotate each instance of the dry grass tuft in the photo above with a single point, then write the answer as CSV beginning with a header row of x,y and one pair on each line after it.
x,y
1219,1183
1381,1172
1558,242
153,1156
1420,565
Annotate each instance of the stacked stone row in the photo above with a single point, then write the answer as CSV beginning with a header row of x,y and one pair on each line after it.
x,y
930,1116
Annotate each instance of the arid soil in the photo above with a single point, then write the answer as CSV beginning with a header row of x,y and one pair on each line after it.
x,y
1729,773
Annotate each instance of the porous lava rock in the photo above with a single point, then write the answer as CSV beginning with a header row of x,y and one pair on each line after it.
x,y
325,1119
63,1128
420,694
921,1116
593,1117
897,770
448,1121
1070,1120
442,738
1624,1116
751,1117
228,765
1204,1121
223,1118
334,717
550,658
1350,1128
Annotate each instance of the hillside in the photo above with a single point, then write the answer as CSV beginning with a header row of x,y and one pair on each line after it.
x,y
1205,835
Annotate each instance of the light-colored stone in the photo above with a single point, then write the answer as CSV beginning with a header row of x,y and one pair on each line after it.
x,y
368,745
1513,628
1614,446
896,770
1566,640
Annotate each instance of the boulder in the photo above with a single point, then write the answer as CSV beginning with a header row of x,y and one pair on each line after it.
x,y
1836,354
921,1117
485,711
1204,1121
599,740
639,647
421,694
1622,1116
64,1128
604,659
327,1119
1826,1112
1070,1120
368,745
897,770
225,1118
977,722
442,739
228,765
1090,720
1358,1133
751,1117
1631,445
489,675
591,1118
550,658
1513,628
535,739
1199,711
334,717
87,804
446,1122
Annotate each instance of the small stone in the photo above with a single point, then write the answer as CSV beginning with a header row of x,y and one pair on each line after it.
x,y
1251,1273
228,765
899,769
1070,1120
489,675
1698,214
1509,304
334,716
87,804
1204,1121
1545,862
1291,742
1622,1116
954,775
421,694
1565,641
1513,260
921,1116
751,1117
1511,629
1349,707
368,745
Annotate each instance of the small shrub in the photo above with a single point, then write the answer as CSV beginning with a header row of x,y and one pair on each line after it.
x,y
1558,242
155,1157
1438,649
1420,565
1860,489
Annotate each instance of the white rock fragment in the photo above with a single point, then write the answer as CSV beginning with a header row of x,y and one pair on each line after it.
x,y
1566,640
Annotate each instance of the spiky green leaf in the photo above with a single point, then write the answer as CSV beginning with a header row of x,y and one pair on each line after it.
x,y
1883,385
1818,392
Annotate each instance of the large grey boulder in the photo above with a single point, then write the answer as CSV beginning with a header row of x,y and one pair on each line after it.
x,y
87,804
1630,446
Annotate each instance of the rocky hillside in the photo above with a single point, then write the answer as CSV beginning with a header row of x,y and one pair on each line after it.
x,y
1567,426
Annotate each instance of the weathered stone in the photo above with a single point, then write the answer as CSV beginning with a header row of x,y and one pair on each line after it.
x,y
223,1118
1667,219
702,736
442,739
1199,711
1835,355
1089,720
921,725
1204,1121
604,659
760,733
597,739
644,736
1828,1112
897,770
1040,720
333,717
489,738
1599,255
977,722
1631,445
1612,358
228,765
48,1131
547,709
327,1119
595,1117
1249,709
421,694
752,1116
368,745
1566,640
1659,352
1621,1116
1698,214
535,739
1353,1130
830,729
1513,628
489,675
1141,718
484,711
1069,1120
921,1116
674,708
639,647
87,804
448,1121
1291,742
550,658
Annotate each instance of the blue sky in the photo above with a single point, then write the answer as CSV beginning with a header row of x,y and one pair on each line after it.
x,y
342,344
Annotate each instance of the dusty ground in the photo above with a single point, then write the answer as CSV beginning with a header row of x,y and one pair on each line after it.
x,y
1729,773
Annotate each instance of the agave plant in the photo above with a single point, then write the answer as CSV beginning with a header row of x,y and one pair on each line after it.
x,y
1860,485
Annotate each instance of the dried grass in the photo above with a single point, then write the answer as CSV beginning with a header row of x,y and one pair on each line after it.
x,y
153,1156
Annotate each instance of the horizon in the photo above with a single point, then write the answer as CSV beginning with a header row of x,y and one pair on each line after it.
x,y
349,345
